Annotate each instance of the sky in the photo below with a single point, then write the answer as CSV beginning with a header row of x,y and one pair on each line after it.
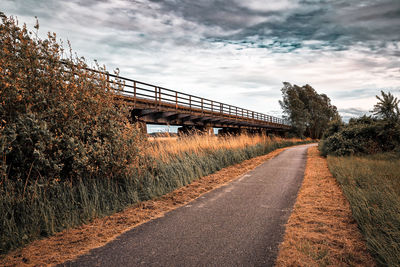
x,y
234,51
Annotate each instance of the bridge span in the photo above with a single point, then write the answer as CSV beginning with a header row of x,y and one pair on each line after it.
x,y
152,104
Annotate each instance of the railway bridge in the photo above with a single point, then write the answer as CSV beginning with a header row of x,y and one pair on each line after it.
x,y
152,104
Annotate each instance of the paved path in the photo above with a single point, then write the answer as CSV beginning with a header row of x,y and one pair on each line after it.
x,y
239,224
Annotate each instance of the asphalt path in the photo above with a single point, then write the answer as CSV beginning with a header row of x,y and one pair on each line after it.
x,y
239,224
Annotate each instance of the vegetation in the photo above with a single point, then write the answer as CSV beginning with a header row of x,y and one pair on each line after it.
x,y
387,108
307,111
60,134
366,135
166,149
58,122
372,186
68,153
370,176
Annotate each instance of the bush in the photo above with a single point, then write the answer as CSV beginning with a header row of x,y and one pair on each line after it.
x,y
364,135
58,120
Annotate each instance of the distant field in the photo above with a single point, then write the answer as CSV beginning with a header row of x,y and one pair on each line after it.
x,y
372,186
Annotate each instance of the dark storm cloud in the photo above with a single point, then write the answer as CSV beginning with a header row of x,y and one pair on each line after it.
x,y
226,14
337,24
279,26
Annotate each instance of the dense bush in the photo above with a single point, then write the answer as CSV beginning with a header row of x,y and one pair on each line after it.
x,y
365,135
57,120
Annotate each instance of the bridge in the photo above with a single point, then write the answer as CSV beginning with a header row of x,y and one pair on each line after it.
x,y
152,104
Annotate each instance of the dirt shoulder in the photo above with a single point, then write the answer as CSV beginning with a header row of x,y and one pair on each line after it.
x,y
72,243
321,230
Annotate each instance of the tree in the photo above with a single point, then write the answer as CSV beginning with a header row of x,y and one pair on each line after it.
x,y
307,111
387,108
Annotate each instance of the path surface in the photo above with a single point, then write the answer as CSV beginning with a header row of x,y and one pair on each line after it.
x,y
239,224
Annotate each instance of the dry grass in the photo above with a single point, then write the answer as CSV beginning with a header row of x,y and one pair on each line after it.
x,y
163,138
71,243
321,230
164,147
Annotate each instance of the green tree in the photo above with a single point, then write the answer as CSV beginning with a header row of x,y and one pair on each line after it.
x,y
307,111
387,108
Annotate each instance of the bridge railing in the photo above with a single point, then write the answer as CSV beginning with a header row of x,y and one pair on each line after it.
x,y
160,96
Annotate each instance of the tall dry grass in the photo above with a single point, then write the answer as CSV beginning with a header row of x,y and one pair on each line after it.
x,y
164,148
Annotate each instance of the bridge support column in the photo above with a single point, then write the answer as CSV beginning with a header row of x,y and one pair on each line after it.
x,y
191,130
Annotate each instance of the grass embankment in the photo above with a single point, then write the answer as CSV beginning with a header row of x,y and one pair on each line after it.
x,y
372,186
321,230
42,209
74,242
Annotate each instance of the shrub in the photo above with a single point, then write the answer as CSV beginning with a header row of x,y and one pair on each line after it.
x,y
364,135
58,120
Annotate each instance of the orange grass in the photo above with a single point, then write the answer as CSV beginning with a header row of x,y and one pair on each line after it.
x,y
198,144
321,230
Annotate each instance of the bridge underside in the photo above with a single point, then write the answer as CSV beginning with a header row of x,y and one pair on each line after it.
x,y
203,123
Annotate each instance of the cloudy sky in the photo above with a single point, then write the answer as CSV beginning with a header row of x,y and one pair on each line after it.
x,y
234,51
